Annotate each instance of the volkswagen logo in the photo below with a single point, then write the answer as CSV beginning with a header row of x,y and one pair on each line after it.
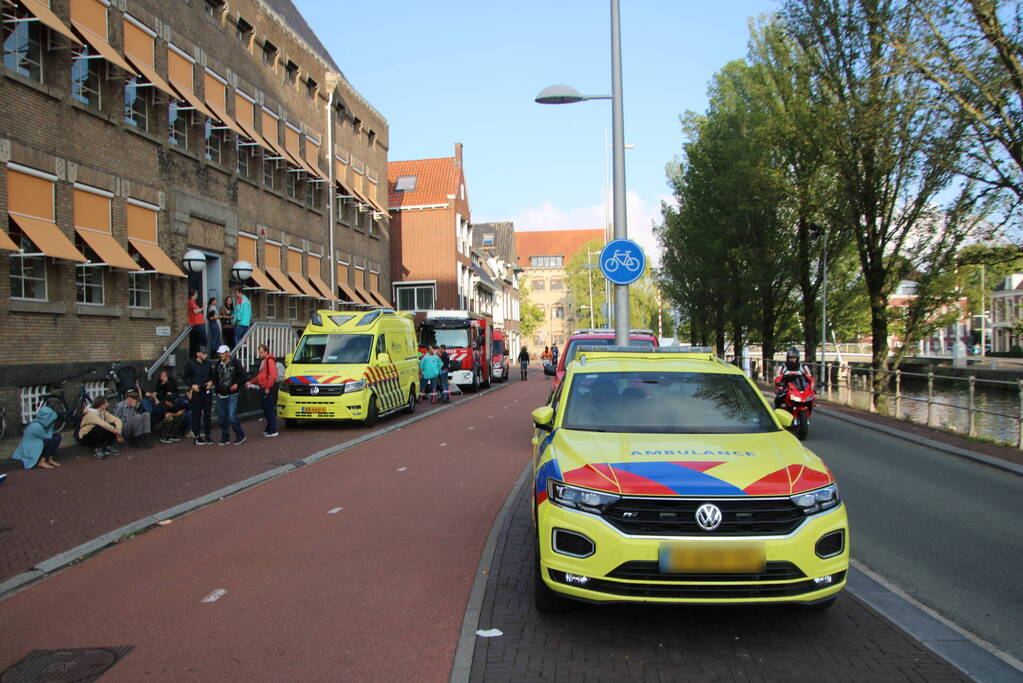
x,y
708,516
313,390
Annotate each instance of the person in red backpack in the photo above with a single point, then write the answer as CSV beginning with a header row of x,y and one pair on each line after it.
x,y
266,381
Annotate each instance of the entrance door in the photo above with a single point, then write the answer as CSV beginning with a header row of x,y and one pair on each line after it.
x,y
208,281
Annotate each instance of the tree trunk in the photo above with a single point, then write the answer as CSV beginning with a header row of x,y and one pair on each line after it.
x,y
879,348
809,292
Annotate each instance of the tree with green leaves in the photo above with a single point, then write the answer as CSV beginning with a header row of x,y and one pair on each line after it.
x,y
530,315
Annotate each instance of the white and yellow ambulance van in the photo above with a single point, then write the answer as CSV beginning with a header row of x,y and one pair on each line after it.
x,y
351,365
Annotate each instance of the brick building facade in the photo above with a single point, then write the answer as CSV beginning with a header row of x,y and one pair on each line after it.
x,y
135,130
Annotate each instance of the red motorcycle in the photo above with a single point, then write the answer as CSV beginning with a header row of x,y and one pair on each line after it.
x,y
798,399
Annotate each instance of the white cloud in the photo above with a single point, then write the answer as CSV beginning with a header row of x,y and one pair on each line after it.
x,y
642,216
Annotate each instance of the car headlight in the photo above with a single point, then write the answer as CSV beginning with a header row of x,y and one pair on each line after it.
x,y
357,385
818,500
577,498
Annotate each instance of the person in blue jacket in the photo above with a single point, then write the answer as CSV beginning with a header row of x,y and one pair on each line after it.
x,y
430,367
39,444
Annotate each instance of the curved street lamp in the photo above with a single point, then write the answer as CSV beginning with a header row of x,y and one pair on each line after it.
x,y
241,271
563,94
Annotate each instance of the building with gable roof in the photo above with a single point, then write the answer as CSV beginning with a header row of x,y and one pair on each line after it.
x,y
494,246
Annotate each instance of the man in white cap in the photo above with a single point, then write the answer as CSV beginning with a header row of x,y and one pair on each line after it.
x,y
228,377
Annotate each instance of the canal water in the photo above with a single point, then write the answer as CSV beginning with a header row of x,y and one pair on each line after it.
x,y
997,407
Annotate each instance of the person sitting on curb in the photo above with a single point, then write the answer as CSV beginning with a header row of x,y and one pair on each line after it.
x,y
170,417
39,444
228,376
199,379
266,381
135,420
99,429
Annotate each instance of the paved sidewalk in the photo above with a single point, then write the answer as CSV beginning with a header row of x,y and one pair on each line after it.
x,y
849,642
46,512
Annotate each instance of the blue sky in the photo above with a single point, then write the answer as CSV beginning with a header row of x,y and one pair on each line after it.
x,y
467,71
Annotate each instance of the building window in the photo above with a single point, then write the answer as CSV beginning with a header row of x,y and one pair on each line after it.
x,y
28,273
244,156
269,54
545,261
292,71
23,51
140,290
214,139
417,298
556,284
558,312
85,78
293,308
312,194
244,32
488,240
537,285
372,137
89,283
136,104
405,183
271,306
310,88
177,125
270,173
214,7
291,184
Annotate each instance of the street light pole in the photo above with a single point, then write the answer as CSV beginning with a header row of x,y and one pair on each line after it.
x,y
621,230
589,279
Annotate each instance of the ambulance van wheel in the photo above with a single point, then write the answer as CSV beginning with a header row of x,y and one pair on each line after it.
x,y
411,407
371,412
546,600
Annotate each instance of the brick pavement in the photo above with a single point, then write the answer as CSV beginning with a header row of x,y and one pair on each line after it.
x,y
46,512
849,642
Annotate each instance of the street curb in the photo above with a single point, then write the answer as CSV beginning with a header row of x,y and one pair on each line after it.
x,y
989,460
975,657
461,666
45,568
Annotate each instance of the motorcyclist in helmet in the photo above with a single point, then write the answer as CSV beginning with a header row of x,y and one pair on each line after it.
x,y
791,371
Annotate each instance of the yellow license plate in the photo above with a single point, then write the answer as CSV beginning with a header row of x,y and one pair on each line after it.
x,y
706,558
314,409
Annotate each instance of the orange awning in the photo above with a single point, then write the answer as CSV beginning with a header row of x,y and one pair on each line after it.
x,y
7,243
220,114
322,286
155,257
380,298
48,238
262,281
250,132
304,285
107,248
349,293
193,100
285,284
105,49
149,73
43,13
366,296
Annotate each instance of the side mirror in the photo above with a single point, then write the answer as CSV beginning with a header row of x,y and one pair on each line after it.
x,y
784,417
288,358
543,418
383,358
550,369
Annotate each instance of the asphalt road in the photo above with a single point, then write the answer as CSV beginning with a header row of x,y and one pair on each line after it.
x,y
946,530
355,568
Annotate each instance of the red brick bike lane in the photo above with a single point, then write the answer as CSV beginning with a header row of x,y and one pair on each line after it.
x,y
374,590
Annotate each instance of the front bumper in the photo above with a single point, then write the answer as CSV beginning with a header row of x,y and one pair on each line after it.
x,y
460,377
624,568
351,406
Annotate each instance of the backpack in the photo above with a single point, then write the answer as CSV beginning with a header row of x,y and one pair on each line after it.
x,y
280,371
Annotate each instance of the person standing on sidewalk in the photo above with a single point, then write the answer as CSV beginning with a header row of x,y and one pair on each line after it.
x,y
213,322
430,367
227,322
523,362
197,323
39,444
99,429
266,381
445,360
242,315
199,376
228,376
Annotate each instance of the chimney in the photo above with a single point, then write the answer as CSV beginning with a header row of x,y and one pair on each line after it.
x,y
458,154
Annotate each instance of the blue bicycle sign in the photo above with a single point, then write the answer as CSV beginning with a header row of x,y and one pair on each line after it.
x,y
622,261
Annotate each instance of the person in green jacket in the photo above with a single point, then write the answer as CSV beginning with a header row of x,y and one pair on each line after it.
x,y
430,366
242,314
39,444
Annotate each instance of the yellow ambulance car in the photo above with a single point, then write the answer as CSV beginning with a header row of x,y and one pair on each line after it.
x,y
351,365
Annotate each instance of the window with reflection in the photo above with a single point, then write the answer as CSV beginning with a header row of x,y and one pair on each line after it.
x,y
85,78
23,52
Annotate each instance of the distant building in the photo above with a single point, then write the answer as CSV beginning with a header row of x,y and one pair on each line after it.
x,y
494,246
942,340
543,256
1007,313
431,234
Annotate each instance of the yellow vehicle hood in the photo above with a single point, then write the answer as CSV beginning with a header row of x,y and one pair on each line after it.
x,y
768,464
323,374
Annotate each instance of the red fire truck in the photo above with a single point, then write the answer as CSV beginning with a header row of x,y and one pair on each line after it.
x,y
468,338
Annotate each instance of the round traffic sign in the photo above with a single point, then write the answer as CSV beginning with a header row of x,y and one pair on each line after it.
x,y
622,261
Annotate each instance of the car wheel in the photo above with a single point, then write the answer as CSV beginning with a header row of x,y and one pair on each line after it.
x,y
290,422
411,407
371,413
546,600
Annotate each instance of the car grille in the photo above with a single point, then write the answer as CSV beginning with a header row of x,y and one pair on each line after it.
x,y
650,571
707,591
677,516
323,389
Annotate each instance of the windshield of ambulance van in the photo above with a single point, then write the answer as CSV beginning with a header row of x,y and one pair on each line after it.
x,y
665,403
334,348
573,346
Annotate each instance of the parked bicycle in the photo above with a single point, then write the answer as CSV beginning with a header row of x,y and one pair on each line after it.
x,y
70,415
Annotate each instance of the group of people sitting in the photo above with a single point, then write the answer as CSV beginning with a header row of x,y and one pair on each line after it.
x,y
165,413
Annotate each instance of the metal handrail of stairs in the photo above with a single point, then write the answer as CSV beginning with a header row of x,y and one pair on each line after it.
x,y
280,338
168,350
